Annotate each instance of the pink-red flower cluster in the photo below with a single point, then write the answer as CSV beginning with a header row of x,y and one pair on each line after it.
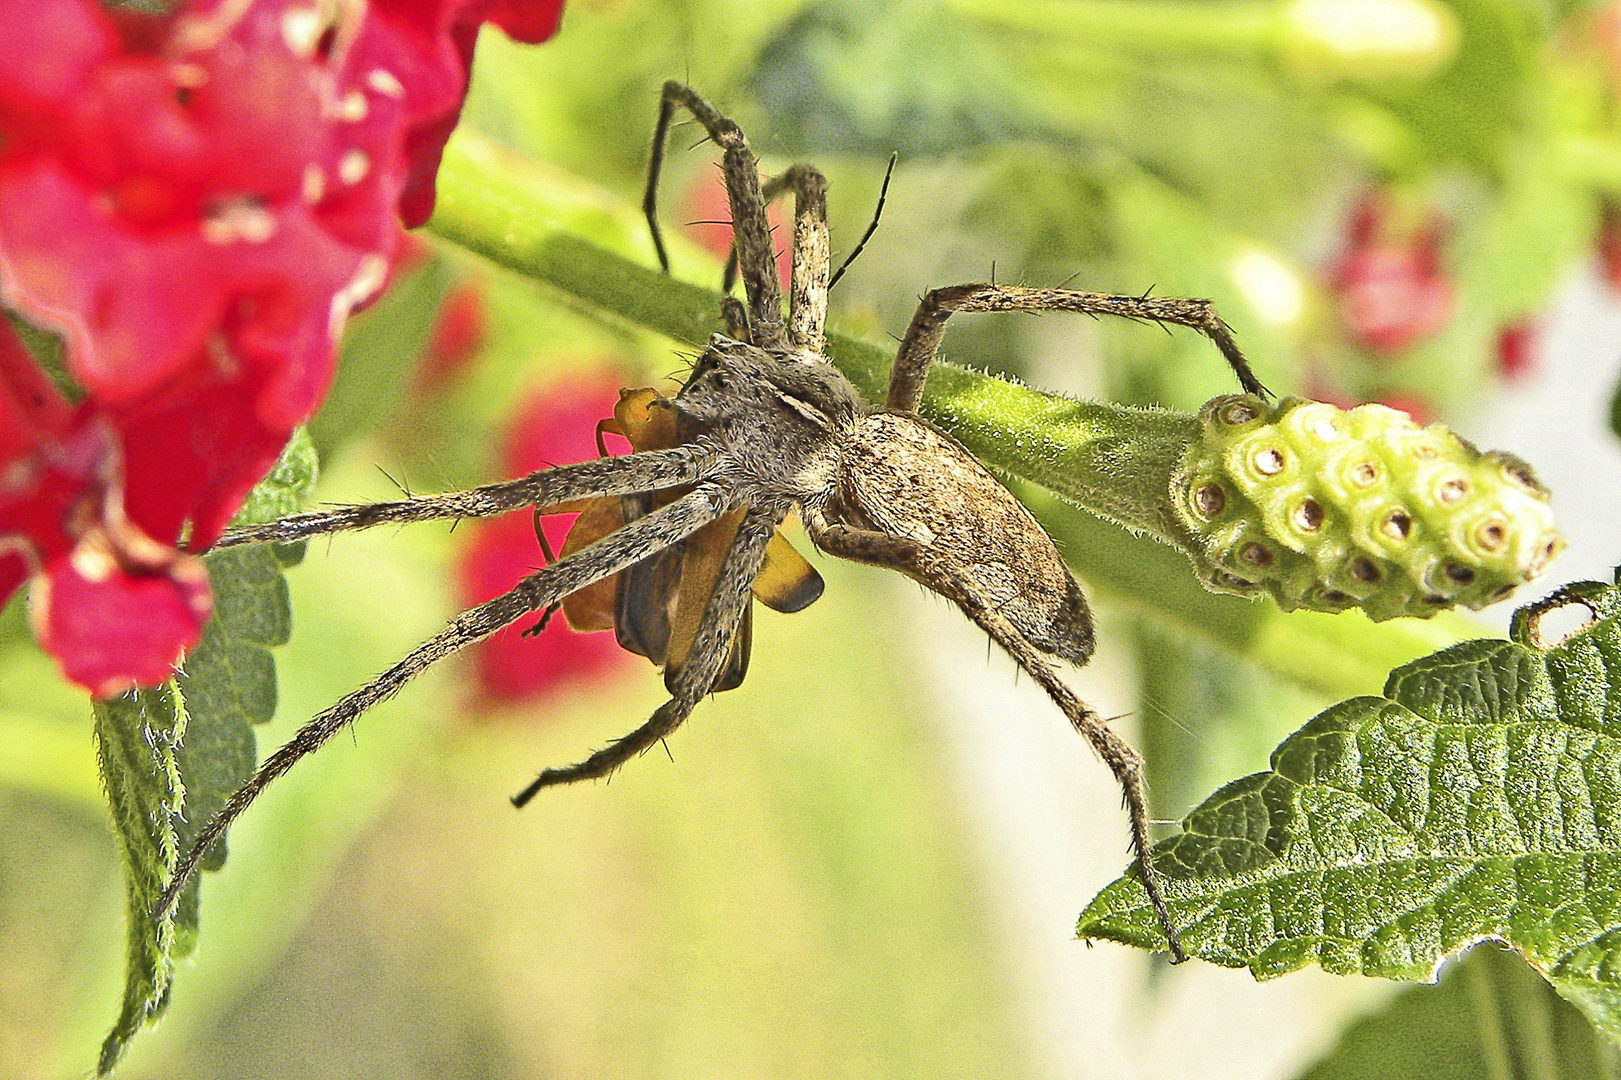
x,y
196,198
1393,291
550,427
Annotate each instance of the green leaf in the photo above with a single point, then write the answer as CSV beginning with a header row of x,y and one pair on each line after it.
x,y
170,757
1491,1016
229,685
1480,797
137,736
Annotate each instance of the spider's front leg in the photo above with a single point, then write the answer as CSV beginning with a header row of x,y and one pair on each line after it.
x,y
941,572
812,254
704,663
923,335
751,232
545,490
663,527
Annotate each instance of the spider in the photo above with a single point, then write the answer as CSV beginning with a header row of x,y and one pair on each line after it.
x,y
766,425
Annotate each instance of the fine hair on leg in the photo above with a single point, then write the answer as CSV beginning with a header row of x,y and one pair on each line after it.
x,y
650,470
922,340
751,232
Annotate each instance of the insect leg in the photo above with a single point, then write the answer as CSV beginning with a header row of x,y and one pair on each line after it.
x,y
625,475
922,339
751,233
913,559
609,555
704,663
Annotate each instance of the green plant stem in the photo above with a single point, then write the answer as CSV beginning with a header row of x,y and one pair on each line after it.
x,y
552,228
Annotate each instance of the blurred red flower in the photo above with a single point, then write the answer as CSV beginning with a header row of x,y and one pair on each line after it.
x,y
1517,348
554,425
196,198
1391,287
459,329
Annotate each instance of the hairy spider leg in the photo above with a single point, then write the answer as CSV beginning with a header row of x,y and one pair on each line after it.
x,y
771,190
660,529
915,560
922,341
550,489
751,232
812,253
705,662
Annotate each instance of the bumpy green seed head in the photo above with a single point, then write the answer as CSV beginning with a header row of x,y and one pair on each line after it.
x,y
1328,509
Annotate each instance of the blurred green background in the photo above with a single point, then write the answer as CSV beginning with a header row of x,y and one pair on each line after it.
x,y
867,861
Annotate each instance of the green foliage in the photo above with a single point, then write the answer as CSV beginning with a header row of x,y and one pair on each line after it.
x,y
137,736
1328,510
1139,144
1490,1016
1480,797
171,756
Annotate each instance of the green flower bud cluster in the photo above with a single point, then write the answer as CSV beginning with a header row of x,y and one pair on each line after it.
x,y
1328,509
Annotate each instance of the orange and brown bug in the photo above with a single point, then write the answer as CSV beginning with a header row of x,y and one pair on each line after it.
x,y
656,606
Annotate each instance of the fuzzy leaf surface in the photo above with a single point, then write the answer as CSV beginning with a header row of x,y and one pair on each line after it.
x,y
137,736
170,757
1479,797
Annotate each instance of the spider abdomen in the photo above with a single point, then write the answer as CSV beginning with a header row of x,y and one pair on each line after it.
x,y
901,476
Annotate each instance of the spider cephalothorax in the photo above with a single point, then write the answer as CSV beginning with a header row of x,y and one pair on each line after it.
x,y
675,536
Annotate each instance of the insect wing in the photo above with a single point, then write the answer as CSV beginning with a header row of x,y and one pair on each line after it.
x,y
645,604
592,608
787,583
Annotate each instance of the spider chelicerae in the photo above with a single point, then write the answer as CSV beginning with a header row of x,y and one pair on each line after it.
x,y
766,426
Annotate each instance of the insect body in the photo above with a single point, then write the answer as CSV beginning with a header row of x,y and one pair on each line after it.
x,y
685,527
654,607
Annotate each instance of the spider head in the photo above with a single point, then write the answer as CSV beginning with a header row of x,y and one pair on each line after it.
x,y
778,415
737,385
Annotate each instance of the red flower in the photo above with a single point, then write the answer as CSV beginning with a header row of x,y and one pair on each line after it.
x,y
197,199
1392,290
1517,348
63,521
458,331
553,426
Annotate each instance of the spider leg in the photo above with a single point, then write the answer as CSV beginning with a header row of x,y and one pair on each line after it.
x,y
611,554
646,471
735,317
872,226
922,339
751,233
914,560
704,664
812,253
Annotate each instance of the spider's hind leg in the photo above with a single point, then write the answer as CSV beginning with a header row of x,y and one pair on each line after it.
x,y
922,339
914,560
705,663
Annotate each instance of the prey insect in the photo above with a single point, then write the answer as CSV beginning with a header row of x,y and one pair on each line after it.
x,y
765,426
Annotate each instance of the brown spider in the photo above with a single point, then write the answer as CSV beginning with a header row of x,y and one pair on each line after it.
x,y
767,426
